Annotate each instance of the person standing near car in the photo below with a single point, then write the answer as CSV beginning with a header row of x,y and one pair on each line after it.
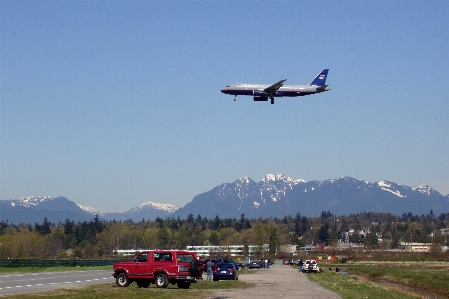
x,y
301,264
209,266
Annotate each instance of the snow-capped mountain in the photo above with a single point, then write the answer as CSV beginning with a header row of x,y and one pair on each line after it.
x,y
273,196
146,211
92,211
34,209
279,195
156,206
29,201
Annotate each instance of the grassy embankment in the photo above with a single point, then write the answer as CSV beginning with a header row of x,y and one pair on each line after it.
x,y
387,280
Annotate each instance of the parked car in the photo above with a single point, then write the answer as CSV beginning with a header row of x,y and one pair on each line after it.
x,y
254,264
310,266
285,262
225,271
160,267
239,266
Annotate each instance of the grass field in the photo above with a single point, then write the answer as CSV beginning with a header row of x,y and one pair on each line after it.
x,y
110,290
387,280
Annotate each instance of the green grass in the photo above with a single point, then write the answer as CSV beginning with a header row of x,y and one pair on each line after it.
x,y
51,269
196,290
427,277
386,280
350,287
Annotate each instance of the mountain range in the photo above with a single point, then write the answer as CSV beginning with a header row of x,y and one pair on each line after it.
x,y
273,196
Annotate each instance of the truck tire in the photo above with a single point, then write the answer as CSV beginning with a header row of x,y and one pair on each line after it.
x,y
161,281
184,284
122,280
143,283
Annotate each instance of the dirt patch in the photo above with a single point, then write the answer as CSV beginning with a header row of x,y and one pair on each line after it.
x,y
281,281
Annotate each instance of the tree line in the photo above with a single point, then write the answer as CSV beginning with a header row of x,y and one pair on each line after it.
x,y
99,239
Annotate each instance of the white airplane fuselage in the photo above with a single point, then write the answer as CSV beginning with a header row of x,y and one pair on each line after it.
x,y
263,92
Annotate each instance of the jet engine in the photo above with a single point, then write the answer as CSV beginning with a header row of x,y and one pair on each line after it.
x,y
260,95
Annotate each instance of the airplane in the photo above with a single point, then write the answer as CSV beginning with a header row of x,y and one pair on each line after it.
x,y
261,92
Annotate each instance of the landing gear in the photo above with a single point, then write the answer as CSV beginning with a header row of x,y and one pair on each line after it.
x,y
272,100
235,98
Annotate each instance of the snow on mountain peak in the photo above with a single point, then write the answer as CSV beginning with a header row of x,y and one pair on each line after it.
x,y
92,211
245,180
280,177
386,186
29,201
157,206
383,184
424,189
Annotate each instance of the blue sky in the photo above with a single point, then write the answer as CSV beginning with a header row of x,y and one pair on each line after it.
x,y
115,103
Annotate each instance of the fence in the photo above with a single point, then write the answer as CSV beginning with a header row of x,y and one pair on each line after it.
x,y
19,263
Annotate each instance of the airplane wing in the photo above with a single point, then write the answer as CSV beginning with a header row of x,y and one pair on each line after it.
x,y
273,88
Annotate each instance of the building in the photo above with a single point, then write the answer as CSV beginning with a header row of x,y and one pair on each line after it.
x,y
415,247
229,250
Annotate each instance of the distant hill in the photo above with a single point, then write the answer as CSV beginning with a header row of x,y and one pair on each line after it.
x,y
274,196
36,208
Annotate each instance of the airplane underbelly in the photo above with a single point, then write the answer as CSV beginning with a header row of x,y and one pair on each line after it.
x,y
245,92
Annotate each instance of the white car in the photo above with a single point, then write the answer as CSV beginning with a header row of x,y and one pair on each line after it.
x,y
310,266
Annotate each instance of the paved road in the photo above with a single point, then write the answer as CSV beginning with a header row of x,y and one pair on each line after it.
x,y
39,282
280,281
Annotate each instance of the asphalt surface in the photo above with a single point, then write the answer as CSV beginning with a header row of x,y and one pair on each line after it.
x,y
39,282
280,281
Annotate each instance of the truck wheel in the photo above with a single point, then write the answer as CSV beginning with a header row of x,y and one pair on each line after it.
x,y
161,280
143,283
122,280
184,284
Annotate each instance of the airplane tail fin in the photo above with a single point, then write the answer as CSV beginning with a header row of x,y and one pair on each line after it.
x,y
320,80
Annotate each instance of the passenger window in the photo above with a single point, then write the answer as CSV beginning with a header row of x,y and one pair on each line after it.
x,y
185,258
162,257
143,257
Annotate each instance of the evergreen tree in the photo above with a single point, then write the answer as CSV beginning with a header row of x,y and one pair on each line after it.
x,y
323,235
214,239
273,242
44,229
68,227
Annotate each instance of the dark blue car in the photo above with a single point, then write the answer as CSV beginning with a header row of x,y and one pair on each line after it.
x,y
225,271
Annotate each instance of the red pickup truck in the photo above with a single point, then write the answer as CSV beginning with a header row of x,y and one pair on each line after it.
x,y
160,267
